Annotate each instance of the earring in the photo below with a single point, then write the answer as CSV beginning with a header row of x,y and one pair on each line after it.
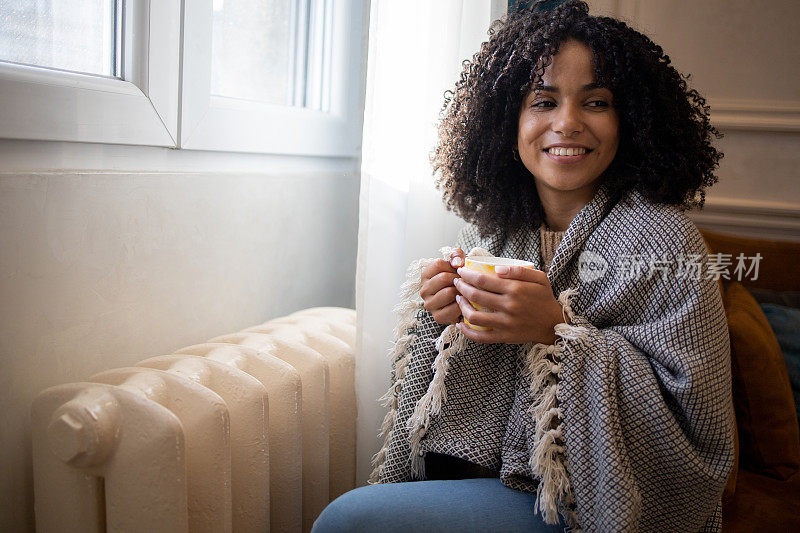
x,y
515,152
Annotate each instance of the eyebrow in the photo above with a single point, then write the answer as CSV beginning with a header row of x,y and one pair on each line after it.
x,y
553,89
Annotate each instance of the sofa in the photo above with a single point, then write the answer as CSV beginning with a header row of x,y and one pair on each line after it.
x,y
763,491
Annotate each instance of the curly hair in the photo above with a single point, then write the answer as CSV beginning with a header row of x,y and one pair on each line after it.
x,y
665,133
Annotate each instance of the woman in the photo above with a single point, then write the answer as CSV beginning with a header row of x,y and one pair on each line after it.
x,y
571,142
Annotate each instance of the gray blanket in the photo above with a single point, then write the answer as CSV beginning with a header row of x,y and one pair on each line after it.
x,y
626,423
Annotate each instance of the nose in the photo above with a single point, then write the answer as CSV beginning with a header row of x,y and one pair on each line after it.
x,y
567,120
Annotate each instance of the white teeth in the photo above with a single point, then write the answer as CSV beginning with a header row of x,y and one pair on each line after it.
x,y
557,150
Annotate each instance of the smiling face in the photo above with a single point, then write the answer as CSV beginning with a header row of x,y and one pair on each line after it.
x,y
568,130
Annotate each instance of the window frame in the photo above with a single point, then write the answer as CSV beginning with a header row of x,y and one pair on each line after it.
x,y
141,108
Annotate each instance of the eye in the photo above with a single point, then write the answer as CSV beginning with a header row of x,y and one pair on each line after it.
x,y
598,103
543,104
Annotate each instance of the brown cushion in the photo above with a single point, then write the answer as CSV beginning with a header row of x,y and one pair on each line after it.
x,y
730,486
777,269
728,493
762,394
762,504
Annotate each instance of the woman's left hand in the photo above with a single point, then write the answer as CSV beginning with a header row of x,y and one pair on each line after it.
x,y
525,309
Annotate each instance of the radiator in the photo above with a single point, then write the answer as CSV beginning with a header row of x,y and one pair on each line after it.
x,y
251,431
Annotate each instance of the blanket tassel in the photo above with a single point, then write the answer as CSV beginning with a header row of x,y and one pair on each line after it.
x,y
451,341
548,457
410,304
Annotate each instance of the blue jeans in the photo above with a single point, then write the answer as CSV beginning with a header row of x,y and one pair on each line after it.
x,y
482,504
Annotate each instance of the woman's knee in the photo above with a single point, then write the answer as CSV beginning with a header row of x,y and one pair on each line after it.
x,y
348,512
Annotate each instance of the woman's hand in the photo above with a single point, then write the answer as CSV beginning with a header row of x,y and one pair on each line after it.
x,y
438,291
525,309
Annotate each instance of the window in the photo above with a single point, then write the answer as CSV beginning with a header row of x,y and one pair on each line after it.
x,y
253,49
268,76
273,51
138,106
293,89
80,35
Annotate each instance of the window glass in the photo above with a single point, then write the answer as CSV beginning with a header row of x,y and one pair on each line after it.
x,y
253,49
77,35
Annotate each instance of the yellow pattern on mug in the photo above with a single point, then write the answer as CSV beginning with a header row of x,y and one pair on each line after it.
x,y
486,264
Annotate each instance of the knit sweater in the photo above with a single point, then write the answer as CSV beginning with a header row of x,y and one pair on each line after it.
x,y
625,423
550,241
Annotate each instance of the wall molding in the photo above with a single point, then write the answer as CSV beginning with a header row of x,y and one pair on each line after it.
x,y
755,115
728,113
754,218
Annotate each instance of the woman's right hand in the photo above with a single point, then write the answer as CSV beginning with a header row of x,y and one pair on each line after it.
x,y
438,291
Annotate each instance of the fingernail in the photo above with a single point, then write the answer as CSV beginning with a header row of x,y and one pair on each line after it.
x,y
456,262
459,271
501,269
458,298
455,281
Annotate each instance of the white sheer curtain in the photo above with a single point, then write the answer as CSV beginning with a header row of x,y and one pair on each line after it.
x,y
415,52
